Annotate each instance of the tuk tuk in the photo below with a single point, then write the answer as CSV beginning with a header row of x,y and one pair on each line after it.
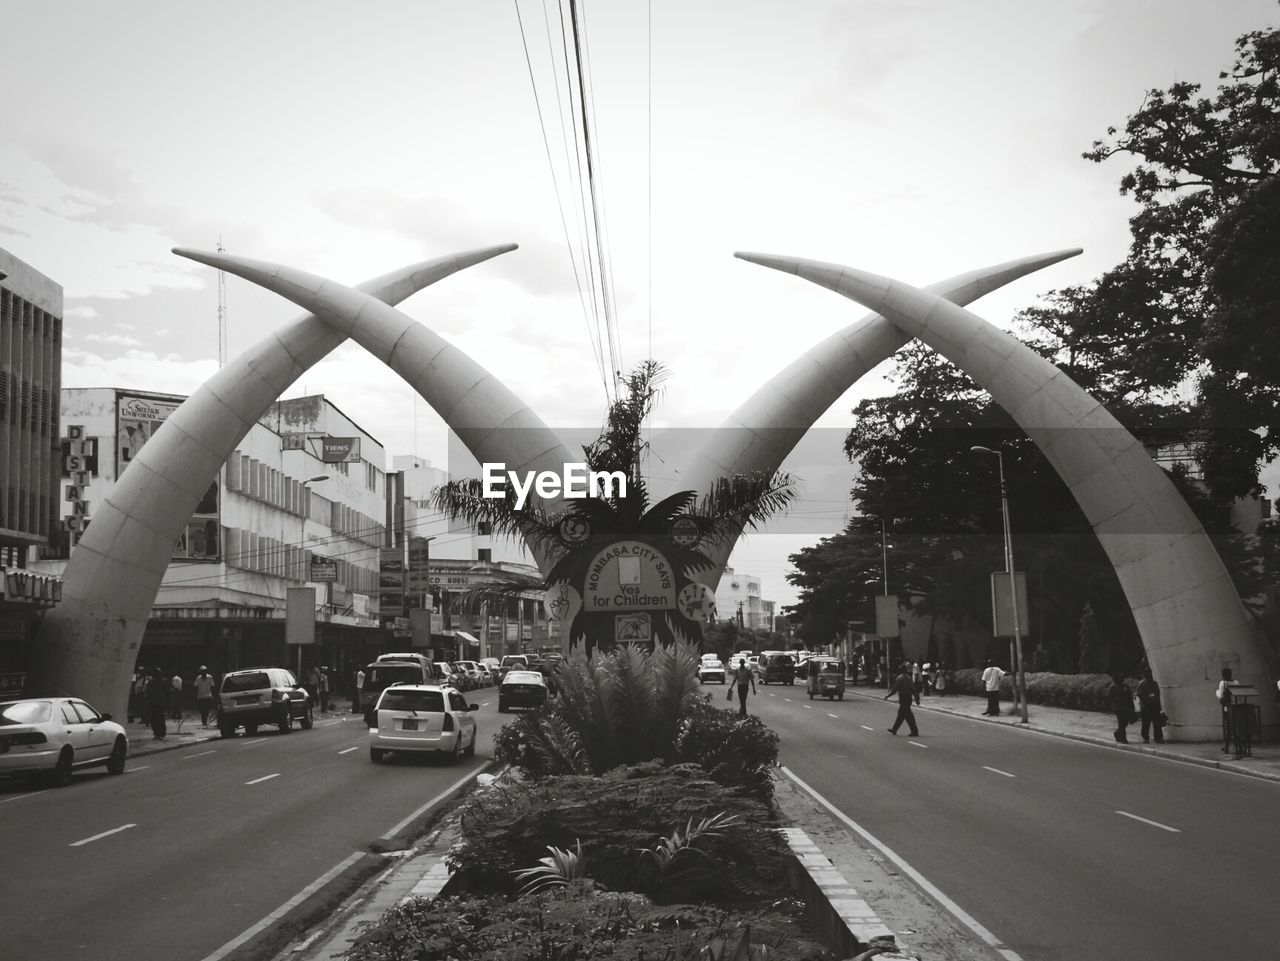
x,y
826,677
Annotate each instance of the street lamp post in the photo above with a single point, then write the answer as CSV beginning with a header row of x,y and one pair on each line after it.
x,y
428,593
1020,676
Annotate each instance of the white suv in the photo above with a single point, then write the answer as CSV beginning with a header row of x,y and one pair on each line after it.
x,y
417,718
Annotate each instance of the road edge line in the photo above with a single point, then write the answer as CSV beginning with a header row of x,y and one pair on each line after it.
x,y
925,884
435,800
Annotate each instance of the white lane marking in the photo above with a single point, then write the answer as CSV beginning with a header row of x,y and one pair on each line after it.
x,y
340,720
918,744
200,754
963,916
771,694
807,707
996,770
435,800
259,780
104,834
350,749
786,698
250,743
837,717
865,728
484,703
285,908
19,797
1154,824
135,770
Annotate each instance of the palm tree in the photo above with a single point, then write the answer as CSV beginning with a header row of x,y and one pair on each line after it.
x,y
574,538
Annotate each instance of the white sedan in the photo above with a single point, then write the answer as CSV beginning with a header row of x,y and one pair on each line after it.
x,y
711,669
57,735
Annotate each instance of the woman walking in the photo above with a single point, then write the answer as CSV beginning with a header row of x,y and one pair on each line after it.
x,y
1122,704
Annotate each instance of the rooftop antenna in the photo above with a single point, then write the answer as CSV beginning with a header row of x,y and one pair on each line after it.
x,y
222,311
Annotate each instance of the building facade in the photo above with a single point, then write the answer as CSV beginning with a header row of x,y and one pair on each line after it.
x,y
30,455
298,504
738,598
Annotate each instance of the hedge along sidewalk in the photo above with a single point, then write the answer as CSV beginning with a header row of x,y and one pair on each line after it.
x,y
1096,728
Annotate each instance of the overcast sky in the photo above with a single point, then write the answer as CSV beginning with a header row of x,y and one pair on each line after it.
x,y
911,138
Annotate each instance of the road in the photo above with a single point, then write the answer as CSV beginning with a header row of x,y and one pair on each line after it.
x,y
190,848
1063,850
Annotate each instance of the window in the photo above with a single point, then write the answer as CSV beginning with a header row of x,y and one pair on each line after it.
x,y
394,700
69,715
87,714
456,702
484,554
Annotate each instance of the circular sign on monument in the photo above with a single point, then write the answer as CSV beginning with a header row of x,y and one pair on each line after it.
x,y
575,530
563,602
685,532
696,601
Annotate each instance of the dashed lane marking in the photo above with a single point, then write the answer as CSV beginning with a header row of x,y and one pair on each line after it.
x,y
259,780
198,754
260,740
1154,824
807,707
996,770
918,744
135,770
836,716
350,749
865,728
104,834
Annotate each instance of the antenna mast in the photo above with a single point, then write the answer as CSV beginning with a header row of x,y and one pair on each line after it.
x,y
222,312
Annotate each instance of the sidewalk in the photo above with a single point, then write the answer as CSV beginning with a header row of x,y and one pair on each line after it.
x,y
1096,728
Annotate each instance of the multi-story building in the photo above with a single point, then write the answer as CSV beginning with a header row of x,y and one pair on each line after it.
x,y
738,598
300,502
30,455
461,559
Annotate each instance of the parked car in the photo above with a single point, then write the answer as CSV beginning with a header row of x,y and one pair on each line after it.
x,y
263,695
422,718
521,689
778,669
492,664
54,736
381,674
474,671
511,662
416,657
711,670
461,678
447,676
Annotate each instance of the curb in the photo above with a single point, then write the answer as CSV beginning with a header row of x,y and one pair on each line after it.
x,y
847,923
1227,766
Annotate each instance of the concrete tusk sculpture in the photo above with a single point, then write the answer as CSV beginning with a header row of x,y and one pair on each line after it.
x,y
1188,613
763,431
88,644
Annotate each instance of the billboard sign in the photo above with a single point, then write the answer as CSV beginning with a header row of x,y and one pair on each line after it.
x,y
338,450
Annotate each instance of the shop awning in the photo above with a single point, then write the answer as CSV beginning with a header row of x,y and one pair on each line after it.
x,y
467,638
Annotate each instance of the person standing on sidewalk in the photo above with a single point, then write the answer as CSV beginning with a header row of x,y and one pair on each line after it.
x,y
1151,708
905,688
204,694
159,691
355,697
741,678
991,679
322,686
175,699
1121,702
1224,698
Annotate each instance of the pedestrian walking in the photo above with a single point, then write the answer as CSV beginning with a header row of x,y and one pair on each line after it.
x,y
175,699
991,679
355,698
906,690
741,678
917,678
158,694
313,684
204,694
1151,711
322,688
1224,698
1122,706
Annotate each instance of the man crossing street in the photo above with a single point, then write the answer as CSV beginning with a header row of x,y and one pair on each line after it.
x,y
906,691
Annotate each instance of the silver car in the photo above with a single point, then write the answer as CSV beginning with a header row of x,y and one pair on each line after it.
x,y
422,718
57,735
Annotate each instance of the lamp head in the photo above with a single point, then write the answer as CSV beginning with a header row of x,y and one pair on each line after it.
x,y
982,450
317,479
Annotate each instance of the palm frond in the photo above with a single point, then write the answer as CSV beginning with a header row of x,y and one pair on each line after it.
x,y
464,500
629,699
657,518
510,585
675,682
745,500
557,870
581,706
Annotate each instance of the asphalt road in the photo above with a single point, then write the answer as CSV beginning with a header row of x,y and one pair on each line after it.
x,y
1061,849
191,847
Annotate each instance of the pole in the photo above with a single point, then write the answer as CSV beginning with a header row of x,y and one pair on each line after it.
x,y
1021,675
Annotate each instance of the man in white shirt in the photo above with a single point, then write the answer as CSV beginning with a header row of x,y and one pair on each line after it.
x,y
204,695
991,679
